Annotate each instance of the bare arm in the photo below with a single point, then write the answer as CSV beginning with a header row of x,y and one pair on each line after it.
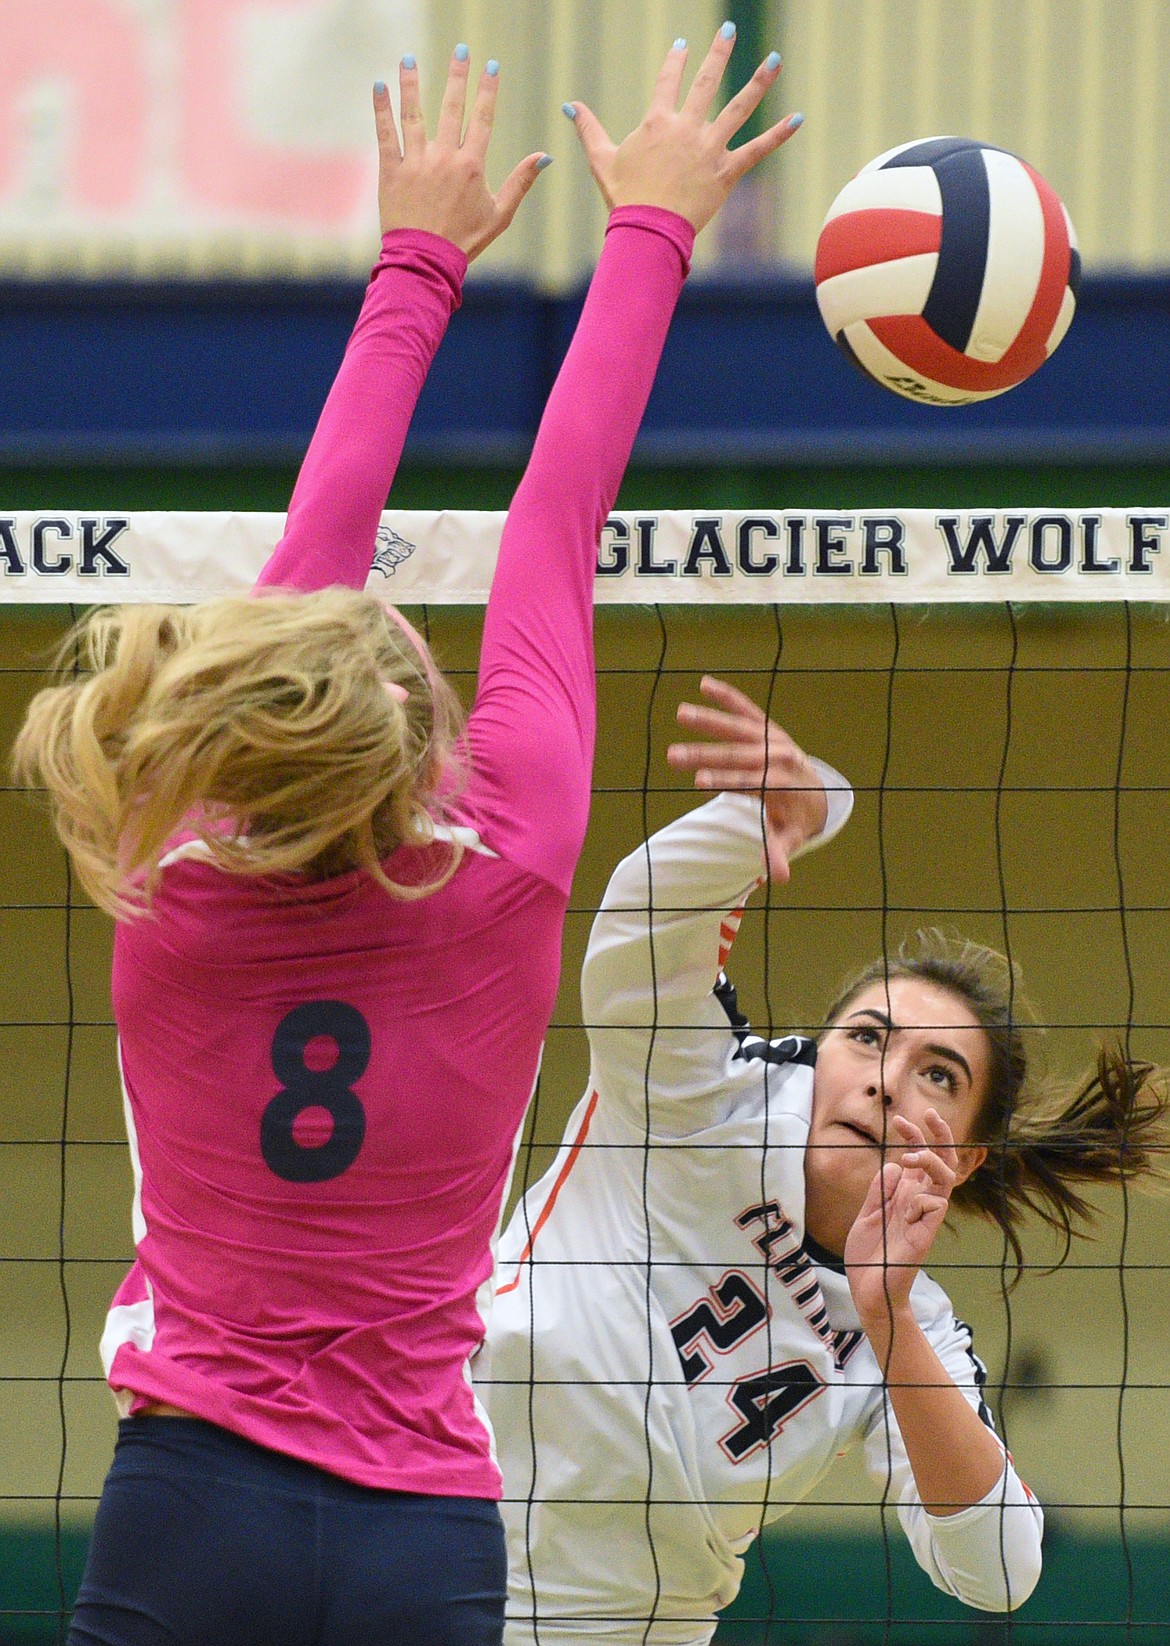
x,y
985,1550
955,1458
973,1524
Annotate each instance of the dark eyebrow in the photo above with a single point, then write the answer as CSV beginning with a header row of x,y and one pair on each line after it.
x,y
887,1022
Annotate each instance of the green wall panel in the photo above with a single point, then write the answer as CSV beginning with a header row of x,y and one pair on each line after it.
x,y
490,487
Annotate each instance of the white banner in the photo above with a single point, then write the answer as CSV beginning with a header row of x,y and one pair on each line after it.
x,y
750,557
193,136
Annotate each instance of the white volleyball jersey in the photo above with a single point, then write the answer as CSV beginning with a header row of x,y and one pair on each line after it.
x,y
667,1367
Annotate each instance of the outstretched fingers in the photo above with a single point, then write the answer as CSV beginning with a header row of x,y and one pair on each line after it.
x,y
910,1134
933,1168
483,112
389,148
749,155
937,1129
706,82
735,756
414,130
664,98
735,745
733,779
736,720
737,761
730,698
924,1205
517,184
882,1188
441,186
941,1139
930,1150
449,131
595,140
743,105
727,724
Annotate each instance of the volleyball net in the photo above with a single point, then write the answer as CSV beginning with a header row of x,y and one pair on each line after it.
x,y
720,557
994,685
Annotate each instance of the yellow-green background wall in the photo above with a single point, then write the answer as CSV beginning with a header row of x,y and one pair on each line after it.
x,y
931,842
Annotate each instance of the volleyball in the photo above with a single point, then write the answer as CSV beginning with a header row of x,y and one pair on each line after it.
x,y
947,270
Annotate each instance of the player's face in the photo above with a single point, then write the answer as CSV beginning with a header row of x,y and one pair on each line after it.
x,y
899,1050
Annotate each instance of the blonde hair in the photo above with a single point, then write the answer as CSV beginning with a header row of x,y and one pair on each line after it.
x,y
261,724
1044,1138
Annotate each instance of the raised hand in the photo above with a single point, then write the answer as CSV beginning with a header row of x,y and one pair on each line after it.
x,y
902,1214
742,749
677,158
440,184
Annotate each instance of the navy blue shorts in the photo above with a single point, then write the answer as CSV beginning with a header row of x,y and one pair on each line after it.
x,y
203,1539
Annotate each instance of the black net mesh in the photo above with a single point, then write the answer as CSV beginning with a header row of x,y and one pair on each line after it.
x,y
1010,767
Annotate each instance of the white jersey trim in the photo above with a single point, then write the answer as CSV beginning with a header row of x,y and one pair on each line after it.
x,y
486,1293
129,1322
137,1218
467,838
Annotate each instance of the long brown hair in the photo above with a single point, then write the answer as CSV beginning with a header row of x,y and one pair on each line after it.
x,y
261,724
1044,1139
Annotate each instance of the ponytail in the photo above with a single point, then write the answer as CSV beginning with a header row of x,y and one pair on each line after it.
x,y
1045,1141
261,726
1113,1129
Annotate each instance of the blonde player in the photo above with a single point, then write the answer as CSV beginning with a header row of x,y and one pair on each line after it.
x,y
718,1285
337,944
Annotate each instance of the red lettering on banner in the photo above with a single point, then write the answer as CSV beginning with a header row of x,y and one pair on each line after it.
x,y
225,167
95,47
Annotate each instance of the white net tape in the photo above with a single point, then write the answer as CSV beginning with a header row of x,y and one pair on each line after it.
x,y
722,557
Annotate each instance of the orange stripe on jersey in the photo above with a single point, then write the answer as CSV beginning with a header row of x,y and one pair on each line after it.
x,y
546,1210
1028,1492
728,932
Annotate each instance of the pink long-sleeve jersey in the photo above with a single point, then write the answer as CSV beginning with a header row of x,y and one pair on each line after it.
x,y
324,1085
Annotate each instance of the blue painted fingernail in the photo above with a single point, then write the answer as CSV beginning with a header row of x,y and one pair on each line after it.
x,y
794,121
679,45
728,31
772,61
491,67
461,54
379,87
408,61
567,108
545,160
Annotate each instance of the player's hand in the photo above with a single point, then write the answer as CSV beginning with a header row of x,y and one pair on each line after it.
x,y
440,183
677,158
902,1214
740,748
